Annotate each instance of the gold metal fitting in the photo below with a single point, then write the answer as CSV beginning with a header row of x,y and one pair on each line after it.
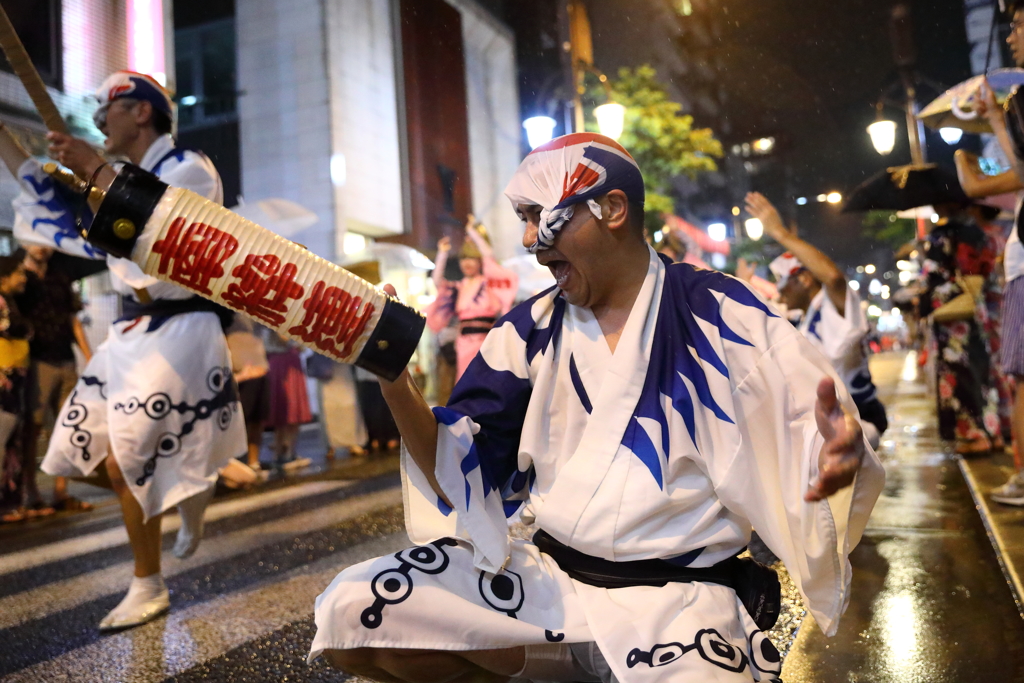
x,y
124,228
382,345
65,176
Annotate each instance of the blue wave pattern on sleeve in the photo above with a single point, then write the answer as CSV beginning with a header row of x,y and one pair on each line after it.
x,y
497,401
812,327
59,200
680,350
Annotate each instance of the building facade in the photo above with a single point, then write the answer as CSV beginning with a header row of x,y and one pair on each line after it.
x,y
390,119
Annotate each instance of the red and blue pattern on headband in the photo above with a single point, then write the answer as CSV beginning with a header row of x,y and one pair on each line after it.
x,y
570,170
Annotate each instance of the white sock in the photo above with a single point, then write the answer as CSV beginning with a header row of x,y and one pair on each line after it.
x,y
140,591
191,531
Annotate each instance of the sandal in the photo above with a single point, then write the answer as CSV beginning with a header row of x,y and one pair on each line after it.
x,y
39,509
976,447
15,515
71,504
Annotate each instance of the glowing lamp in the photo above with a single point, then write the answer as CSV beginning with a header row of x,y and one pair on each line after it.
x,y
883,136
833,197
539,129
353,243
716,231
610,119
951,135
755,229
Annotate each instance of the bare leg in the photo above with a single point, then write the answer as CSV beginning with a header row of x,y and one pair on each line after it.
x,y
429,666
147,596
289,435
254,437
144,537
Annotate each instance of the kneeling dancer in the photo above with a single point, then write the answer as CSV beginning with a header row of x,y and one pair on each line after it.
x,y
643,416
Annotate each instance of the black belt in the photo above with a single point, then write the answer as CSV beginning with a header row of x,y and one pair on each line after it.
x,y
162,309
482,325
756,585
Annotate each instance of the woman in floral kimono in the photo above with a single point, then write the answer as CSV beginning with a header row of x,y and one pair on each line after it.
x,y
967,400
485,293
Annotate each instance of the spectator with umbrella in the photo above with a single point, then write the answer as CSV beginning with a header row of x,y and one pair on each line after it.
x,y
958,257
978,184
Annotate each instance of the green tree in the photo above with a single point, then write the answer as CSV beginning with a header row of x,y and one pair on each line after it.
x,y
884,227
661,139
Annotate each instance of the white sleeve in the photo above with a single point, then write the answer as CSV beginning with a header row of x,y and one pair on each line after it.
x,y
43,217
766,478
194,172
841,334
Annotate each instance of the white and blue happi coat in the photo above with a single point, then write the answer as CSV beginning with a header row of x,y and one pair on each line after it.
x,y
158,393
698,428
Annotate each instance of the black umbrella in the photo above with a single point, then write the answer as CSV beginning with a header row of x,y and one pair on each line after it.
x,y
906,187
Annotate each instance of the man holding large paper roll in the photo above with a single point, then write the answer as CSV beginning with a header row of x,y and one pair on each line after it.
x,y
158,395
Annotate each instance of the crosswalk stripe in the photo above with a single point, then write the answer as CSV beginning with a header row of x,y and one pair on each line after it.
x,y
58,596
110,538
199,632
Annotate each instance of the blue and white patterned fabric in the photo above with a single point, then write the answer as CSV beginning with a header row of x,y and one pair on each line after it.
x,y
697,428
167,409
841,338
572,169
44,214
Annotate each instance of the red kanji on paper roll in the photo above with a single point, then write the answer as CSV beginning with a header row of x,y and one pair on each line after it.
x,y
178,236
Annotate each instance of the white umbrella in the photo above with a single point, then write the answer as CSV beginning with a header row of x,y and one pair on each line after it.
x,y
955,108
281,216
391,256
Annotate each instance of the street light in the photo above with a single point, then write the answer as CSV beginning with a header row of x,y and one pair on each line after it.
x,y
717,232
611,117
539,129
951,136
883,135
755,228
833,197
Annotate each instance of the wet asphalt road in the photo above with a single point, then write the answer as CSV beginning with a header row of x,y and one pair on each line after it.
x,y
929,602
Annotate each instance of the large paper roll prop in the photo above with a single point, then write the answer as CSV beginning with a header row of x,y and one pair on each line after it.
x,y
180,237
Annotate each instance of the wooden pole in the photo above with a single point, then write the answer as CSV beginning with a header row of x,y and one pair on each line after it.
x,y
19,60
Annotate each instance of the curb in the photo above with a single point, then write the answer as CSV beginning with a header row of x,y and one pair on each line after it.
x,y
981,504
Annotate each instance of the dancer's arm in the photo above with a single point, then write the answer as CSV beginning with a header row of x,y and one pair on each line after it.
x,y
444,246
821,266
415,421
80,338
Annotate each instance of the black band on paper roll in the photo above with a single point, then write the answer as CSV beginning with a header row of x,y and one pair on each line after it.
x,y
393,340
125,210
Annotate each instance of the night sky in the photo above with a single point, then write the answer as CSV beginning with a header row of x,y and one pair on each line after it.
x,y
809,73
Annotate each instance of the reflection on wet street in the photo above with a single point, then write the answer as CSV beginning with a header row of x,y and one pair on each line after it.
x,y
929,602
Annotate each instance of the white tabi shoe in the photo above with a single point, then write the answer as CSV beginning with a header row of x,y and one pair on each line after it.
x,y
191,531
146,600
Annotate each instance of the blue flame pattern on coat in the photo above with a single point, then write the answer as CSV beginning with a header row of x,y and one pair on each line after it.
x,y
43,215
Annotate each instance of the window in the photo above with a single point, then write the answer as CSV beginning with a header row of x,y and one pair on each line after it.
x,y
38,25
205,74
